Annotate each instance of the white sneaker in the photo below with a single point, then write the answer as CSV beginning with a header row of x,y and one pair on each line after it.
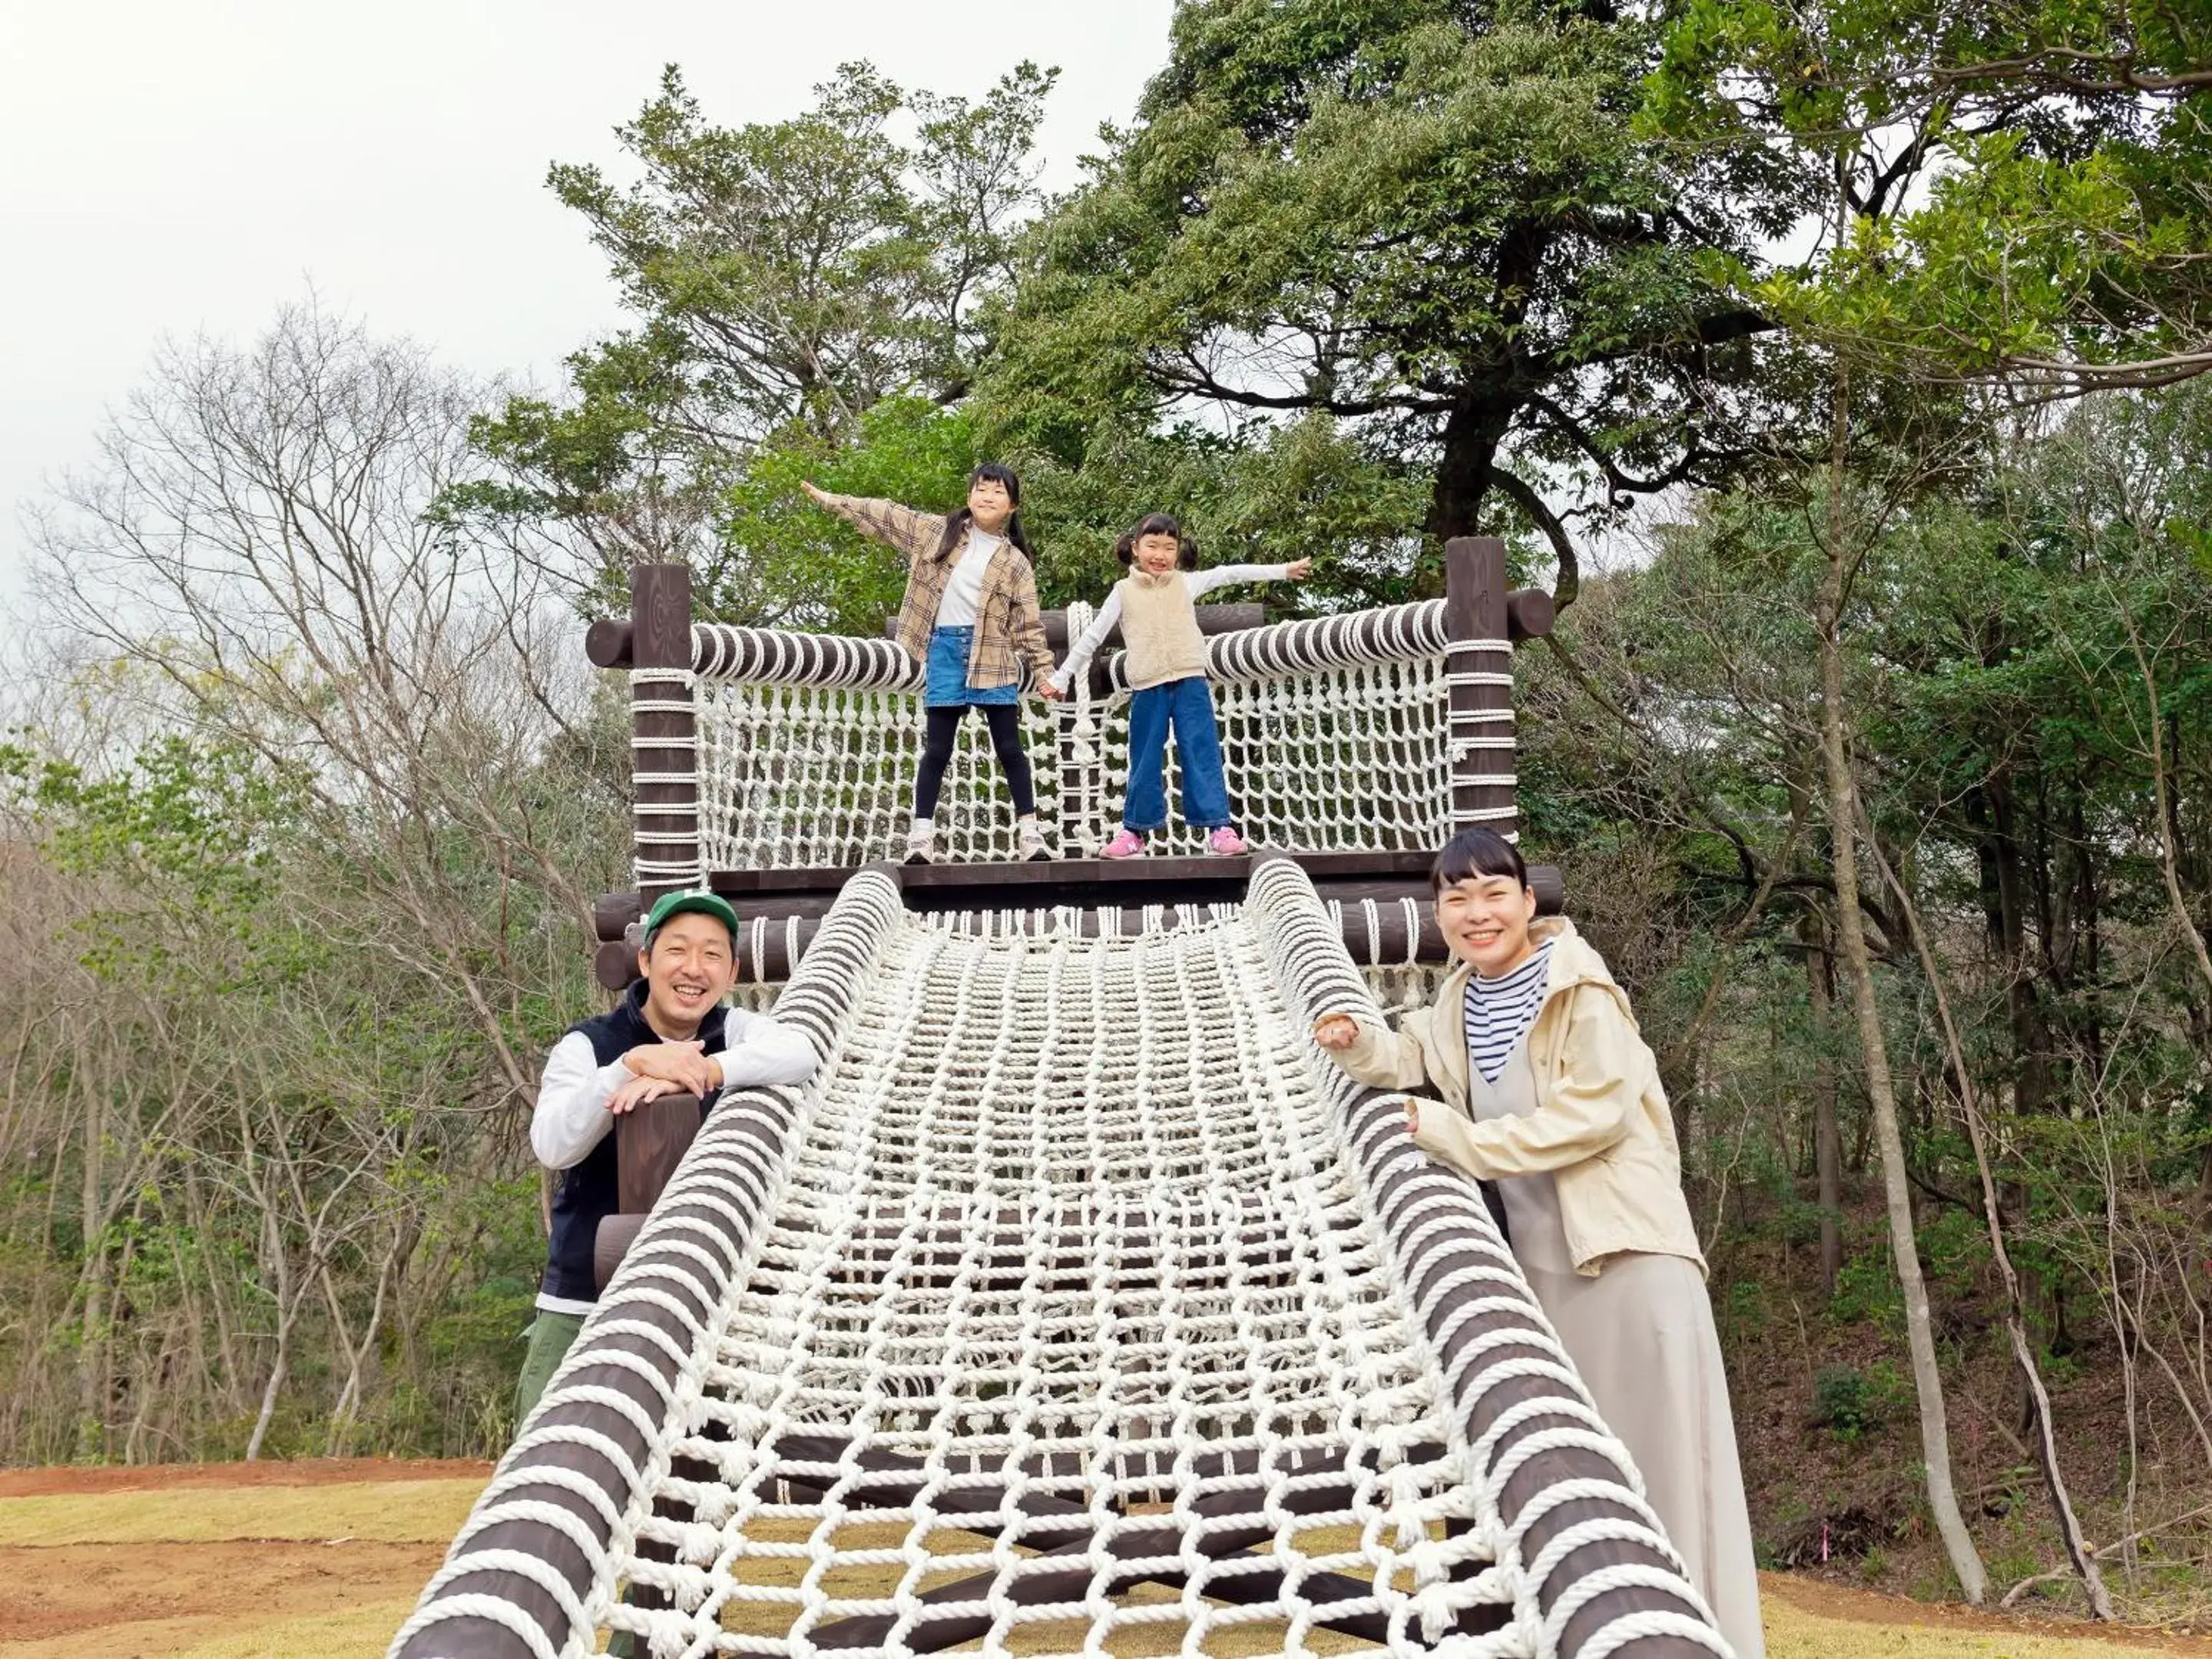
x,y
1029,842
920,846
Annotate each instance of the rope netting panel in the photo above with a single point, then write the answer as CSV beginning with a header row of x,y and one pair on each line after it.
x,y
1335,736
1077,1307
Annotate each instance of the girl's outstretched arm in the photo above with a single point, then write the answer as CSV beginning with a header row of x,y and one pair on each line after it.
x,y
1229,576
1085,647
913,534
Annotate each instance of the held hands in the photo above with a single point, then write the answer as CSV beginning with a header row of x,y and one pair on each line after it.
x,y
1049,691
684,1065
1298,569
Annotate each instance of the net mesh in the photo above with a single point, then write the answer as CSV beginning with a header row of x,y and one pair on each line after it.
x,y
1077,1307
1064,1232
1335,737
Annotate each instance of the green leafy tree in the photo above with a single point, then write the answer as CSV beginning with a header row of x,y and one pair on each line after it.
x,y
786,277
2019,187
1428,222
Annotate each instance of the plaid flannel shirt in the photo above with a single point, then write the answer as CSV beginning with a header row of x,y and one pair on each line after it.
x,y
1008,628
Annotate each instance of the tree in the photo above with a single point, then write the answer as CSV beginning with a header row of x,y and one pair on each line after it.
x,y
2065,231
1425,220
785,276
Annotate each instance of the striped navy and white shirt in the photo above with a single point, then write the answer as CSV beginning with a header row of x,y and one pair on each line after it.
x,y
1500,1010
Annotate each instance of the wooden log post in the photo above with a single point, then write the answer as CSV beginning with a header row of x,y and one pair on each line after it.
x,y
1479,673
664,736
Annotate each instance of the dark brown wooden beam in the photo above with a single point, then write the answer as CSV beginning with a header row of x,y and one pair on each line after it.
x,y
1091,886
664,757
1399,1191
1476,616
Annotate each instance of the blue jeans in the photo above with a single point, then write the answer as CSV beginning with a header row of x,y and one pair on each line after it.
x,y
1186,705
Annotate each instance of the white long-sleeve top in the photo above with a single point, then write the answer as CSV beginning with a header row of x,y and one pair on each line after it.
x,y
963,589
1196,583
572,1118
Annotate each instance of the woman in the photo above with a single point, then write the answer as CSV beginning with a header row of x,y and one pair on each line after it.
x,y
1551,1093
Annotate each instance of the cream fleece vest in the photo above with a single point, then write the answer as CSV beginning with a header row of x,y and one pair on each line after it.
x,y
1159,629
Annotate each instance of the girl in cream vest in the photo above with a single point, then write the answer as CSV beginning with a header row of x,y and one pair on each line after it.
x,y
1157,606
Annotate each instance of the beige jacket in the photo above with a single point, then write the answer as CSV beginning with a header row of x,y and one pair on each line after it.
x,y
1601,1126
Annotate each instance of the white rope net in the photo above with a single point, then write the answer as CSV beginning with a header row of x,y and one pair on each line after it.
x,y
1062,1313
1335,736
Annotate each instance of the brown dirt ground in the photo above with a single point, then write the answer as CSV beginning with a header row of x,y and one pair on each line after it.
x,y
80,1589
1826,1600
170,1476
234,1599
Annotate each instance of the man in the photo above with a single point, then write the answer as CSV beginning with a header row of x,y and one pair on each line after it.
x,y
669,1035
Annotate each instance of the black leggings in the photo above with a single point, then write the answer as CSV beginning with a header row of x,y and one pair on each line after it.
x,y
1004,720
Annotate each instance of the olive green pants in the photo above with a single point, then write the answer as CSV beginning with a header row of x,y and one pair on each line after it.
x,y
551,1335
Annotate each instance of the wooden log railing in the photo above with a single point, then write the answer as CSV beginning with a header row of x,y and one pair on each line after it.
x,y
650,1141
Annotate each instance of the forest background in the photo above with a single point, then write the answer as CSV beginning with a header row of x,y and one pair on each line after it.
x,y
1835,365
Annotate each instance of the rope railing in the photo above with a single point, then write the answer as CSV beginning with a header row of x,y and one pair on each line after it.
x,y
536,1567
1077,1268
1372,731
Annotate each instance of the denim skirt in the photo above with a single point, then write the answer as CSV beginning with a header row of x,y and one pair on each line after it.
x,y
944,673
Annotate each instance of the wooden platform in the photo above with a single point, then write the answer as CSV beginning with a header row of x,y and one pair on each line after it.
x,y
778,909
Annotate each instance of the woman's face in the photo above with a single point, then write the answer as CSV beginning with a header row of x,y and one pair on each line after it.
x,y
1157,554
1485,920
989,505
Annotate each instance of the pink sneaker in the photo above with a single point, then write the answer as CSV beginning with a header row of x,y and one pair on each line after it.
x,y
1126,844
1226,843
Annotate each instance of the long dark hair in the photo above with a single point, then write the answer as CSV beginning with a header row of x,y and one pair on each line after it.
x,y
1476,852
1157,523
956,525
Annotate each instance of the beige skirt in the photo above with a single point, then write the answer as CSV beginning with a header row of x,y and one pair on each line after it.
x,y
1641,1334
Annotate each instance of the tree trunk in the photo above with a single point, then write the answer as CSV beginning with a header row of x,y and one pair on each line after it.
x,y
1471,433
2037,1397
287,1310
1828,1134
1858,965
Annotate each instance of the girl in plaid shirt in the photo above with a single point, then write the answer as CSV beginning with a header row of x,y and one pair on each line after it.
x,y
970,618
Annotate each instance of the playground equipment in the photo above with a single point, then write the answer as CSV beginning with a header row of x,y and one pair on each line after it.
x,y
1078,1305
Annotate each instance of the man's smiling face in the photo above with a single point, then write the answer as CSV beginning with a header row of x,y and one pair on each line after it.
x,y
690,968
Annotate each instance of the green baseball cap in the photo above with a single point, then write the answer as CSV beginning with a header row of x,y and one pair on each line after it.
x,y
706,903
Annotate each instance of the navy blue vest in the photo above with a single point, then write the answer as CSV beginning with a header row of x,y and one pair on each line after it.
x,y
588,1191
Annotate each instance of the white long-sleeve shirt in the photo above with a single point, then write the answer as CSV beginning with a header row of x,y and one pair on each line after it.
x,y
1196,583
572,1118
963,589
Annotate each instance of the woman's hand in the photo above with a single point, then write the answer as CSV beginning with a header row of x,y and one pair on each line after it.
x,y
1298,569
820,498
1337,1033
1049,691
1413,1115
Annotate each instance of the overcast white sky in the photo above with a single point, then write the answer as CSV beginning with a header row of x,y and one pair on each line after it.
x,y
170,167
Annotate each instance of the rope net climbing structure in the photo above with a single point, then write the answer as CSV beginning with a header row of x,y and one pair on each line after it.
x,y
1334,735
1078,1306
